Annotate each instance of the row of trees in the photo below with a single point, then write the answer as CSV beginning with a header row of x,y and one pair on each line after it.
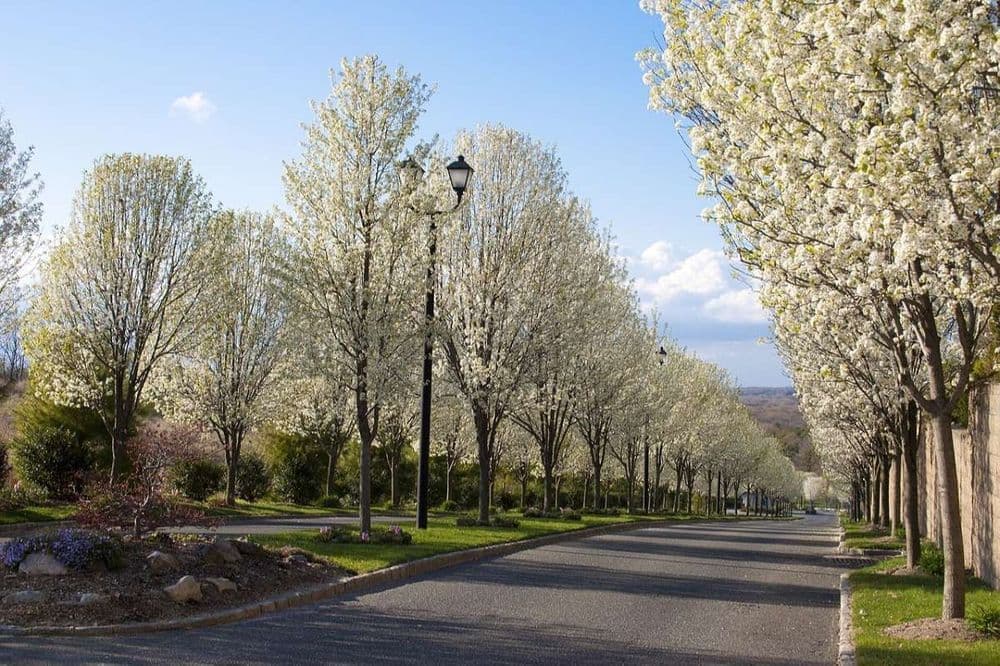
x,y
309,321
853,149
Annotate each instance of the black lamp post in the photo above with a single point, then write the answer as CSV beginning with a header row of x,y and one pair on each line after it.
x,y
459,173
662,354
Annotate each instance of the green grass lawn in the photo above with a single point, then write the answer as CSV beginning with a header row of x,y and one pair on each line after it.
x,y
882,601
37,514
865,536
443,536
265,509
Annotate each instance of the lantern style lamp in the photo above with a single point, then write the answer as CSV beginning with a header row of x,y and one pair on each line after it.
x,y
459,172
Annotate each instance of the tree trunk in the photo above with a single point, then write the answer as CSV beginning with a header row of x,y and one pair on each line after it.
x,y
894,491
329,474
911,509
708,503
883,492
393,486
547,490
365,482
953,602
447,483
483,444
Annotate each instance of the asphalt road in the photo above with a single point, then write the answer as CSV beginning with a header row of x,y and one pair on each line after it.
x,y
709,593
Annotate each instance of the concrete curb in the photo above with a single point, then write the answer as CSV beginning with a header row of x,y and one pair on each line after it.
x,y
845,649
325,591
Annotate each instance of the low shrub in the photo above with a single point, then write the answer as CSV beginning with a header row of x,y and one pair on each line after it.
x,y
329,502
449,506
252,478
532,512
985,620
506,500
52,459
932,560
569,514
604,512
13,499
75,549
198,479
507,522
394,534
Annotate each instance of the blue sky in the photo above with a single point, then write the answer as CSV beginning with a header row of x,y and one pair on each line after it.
x,y
78,80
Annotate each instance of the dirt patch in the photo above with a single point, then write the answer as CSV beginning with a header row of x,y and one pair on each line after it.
x,y
933,628
135,593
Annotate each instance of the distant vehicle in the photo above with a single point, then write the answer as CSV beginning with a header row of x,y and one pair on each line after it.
x,y
811,511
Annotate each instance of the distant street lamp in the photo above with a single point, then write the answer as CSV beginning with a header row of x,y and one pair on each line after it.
x,y
662,354
412,173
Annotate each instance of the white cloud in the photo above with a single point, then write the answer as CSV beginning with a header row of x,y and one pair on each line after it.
x,y
195,106
701,274
736,307
657,256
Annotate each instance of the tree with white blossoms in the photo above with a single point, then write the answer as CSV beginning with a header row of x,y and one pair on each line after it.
x,y
546,404
229,378
498,258
356,265
20,213
853,148
121,290
453,438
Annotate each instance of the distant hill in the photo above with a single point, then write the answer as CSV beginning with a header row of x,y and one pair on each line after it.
x,y
777,411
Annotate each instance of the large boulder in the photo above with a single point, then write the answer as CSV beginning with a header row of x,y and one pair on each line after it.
x,y
160,562
24,597
220,551
222,584
42,564
186,589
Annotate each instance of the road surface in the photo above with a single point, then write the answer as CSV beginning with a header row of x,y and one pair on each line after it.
x,y
708,593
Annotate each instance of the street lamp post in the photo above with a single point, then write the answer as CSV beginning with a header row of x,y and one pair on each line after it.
x,y
459,173
662,354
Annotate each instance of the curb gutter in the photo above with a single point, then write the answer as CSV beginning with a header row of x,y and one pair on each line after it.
x,y
845,649
313,594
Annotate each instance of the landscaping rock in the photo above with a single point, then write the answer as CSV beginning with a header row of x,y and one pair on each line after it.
x,y
221,551
24,597
248,548
296,558
159,562
186,589
88,598
42,564
222,584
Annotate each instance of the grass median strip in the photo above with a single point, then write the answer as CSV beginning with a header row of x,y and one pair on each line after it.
x,y
443,536
881,601
37,514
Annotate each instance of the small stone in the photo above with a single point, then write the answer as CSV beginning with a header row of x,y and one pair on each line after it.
x,y
221,551
186,589
222,584
42,564
296,558
159,562
248,548
24,597
88,598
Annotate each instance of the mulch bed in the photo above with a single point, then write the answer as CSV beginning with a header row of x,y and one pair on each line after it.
x,y
932,628
135,594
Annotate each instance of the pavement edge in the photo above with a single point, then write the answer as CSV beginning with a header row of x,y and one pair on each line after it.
x,y
845,648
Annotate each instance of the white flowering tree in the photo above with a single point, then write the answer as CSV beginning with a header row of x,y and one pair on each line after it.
x,y
454,439
121,290
355,268
497,260
229,379
851,148
20,213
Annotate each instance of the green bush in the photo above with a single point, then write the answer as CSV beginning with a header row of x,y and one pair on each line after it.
x,y
298,468
52,459
506,500
932,560
329,502
449,506
252,478
33,413
532,512
295,477
13,499
570,514
4,465
495,521
199,479
985,620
